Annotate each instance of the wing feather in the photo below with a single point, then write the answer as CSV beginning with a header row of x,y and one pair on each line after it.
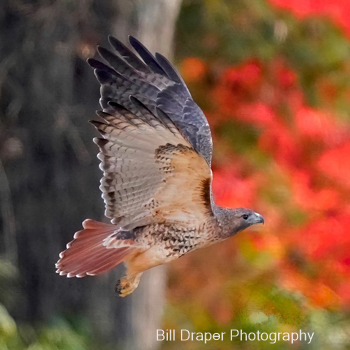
x,y
156,145
147,57
155,83
128,55
151,173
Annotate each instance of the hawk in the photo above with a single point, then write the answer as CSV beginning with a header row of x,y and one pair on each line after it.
x,y
155,151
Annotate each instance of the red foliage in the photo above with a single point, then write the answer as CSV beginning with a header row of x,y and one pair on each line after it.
x,y
237,84
315,125
308,150
232,190
335,164
337,10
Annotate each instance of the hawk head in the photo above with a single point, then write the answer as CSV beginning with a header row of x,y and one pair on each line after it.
x,y
235,220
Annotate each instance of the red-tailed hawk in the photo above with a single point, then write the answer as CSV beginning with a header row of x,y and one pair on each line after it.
x,y
155,154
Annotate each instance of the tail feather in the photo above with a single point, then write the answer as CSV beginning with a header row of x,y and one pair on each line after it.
x,y
101,264
110,262
87,254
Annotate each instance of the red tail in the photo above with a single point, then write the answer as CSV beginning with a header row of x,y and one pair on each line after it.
x,y
86,254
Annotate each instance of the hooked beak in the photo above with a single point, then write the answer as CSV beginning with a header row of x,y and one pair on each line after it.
x,y
258,219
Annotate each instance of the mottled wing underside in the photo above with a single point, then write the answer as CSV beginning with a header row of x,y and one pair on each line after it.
x,y
156,147
151,173
157,84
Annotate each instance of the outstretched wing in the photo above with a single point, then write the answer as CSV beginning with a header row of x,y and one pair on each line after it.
x,y
157,84
150,172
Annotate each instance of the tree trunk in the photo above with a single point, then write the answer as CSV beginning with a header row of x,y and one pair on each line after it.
x,y
49,174
153,23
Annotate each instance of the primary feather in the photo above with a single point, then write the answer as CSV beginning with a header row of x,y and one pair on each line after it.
x,y
157,84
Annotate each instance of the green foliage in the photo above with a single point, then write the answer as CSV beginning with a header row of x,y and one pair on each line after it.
x,y
25,337
58,335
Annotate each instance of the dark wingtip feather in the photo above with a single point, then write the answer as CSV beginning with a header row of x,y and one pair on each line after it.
x,y
117,63
128,55
117,44
93,63
103,71
105,53
146,56
104,76
138,104
102,114
169,68
133,41
117,106
96,123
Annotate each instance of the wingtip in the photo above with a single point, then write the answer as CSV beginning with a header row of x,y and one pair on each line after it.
x,y
116,44
133,98
99,48
112,39
116,105
90,61
157,54
95,123
103,52
102,114
134,42
162,59
97,65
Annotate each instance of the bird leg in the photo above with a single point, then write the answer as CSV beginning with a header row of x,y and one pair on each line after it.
x,y
127,284
136,264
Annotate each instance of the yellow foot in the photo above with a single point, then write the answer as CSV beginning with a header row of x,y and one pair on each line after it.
x,y
126,285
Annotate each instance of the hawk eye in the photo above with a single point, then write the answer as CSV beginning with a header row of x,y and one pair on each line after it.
x,y
245,216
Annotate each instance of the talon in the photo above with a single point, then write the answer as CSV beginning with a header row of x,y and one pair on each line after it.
x,y
126,285
118,287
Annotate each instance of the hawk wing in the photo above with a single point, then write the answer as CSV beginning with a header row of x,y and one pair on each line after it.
x,y
151,173
157,84
156,147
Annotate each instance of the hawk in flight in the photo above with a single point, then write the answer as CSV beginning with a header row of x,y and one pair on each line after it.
x,y
155,151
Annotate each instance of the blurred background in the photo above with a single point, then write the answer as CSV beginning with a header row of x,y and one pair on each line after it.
x,y
273,78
